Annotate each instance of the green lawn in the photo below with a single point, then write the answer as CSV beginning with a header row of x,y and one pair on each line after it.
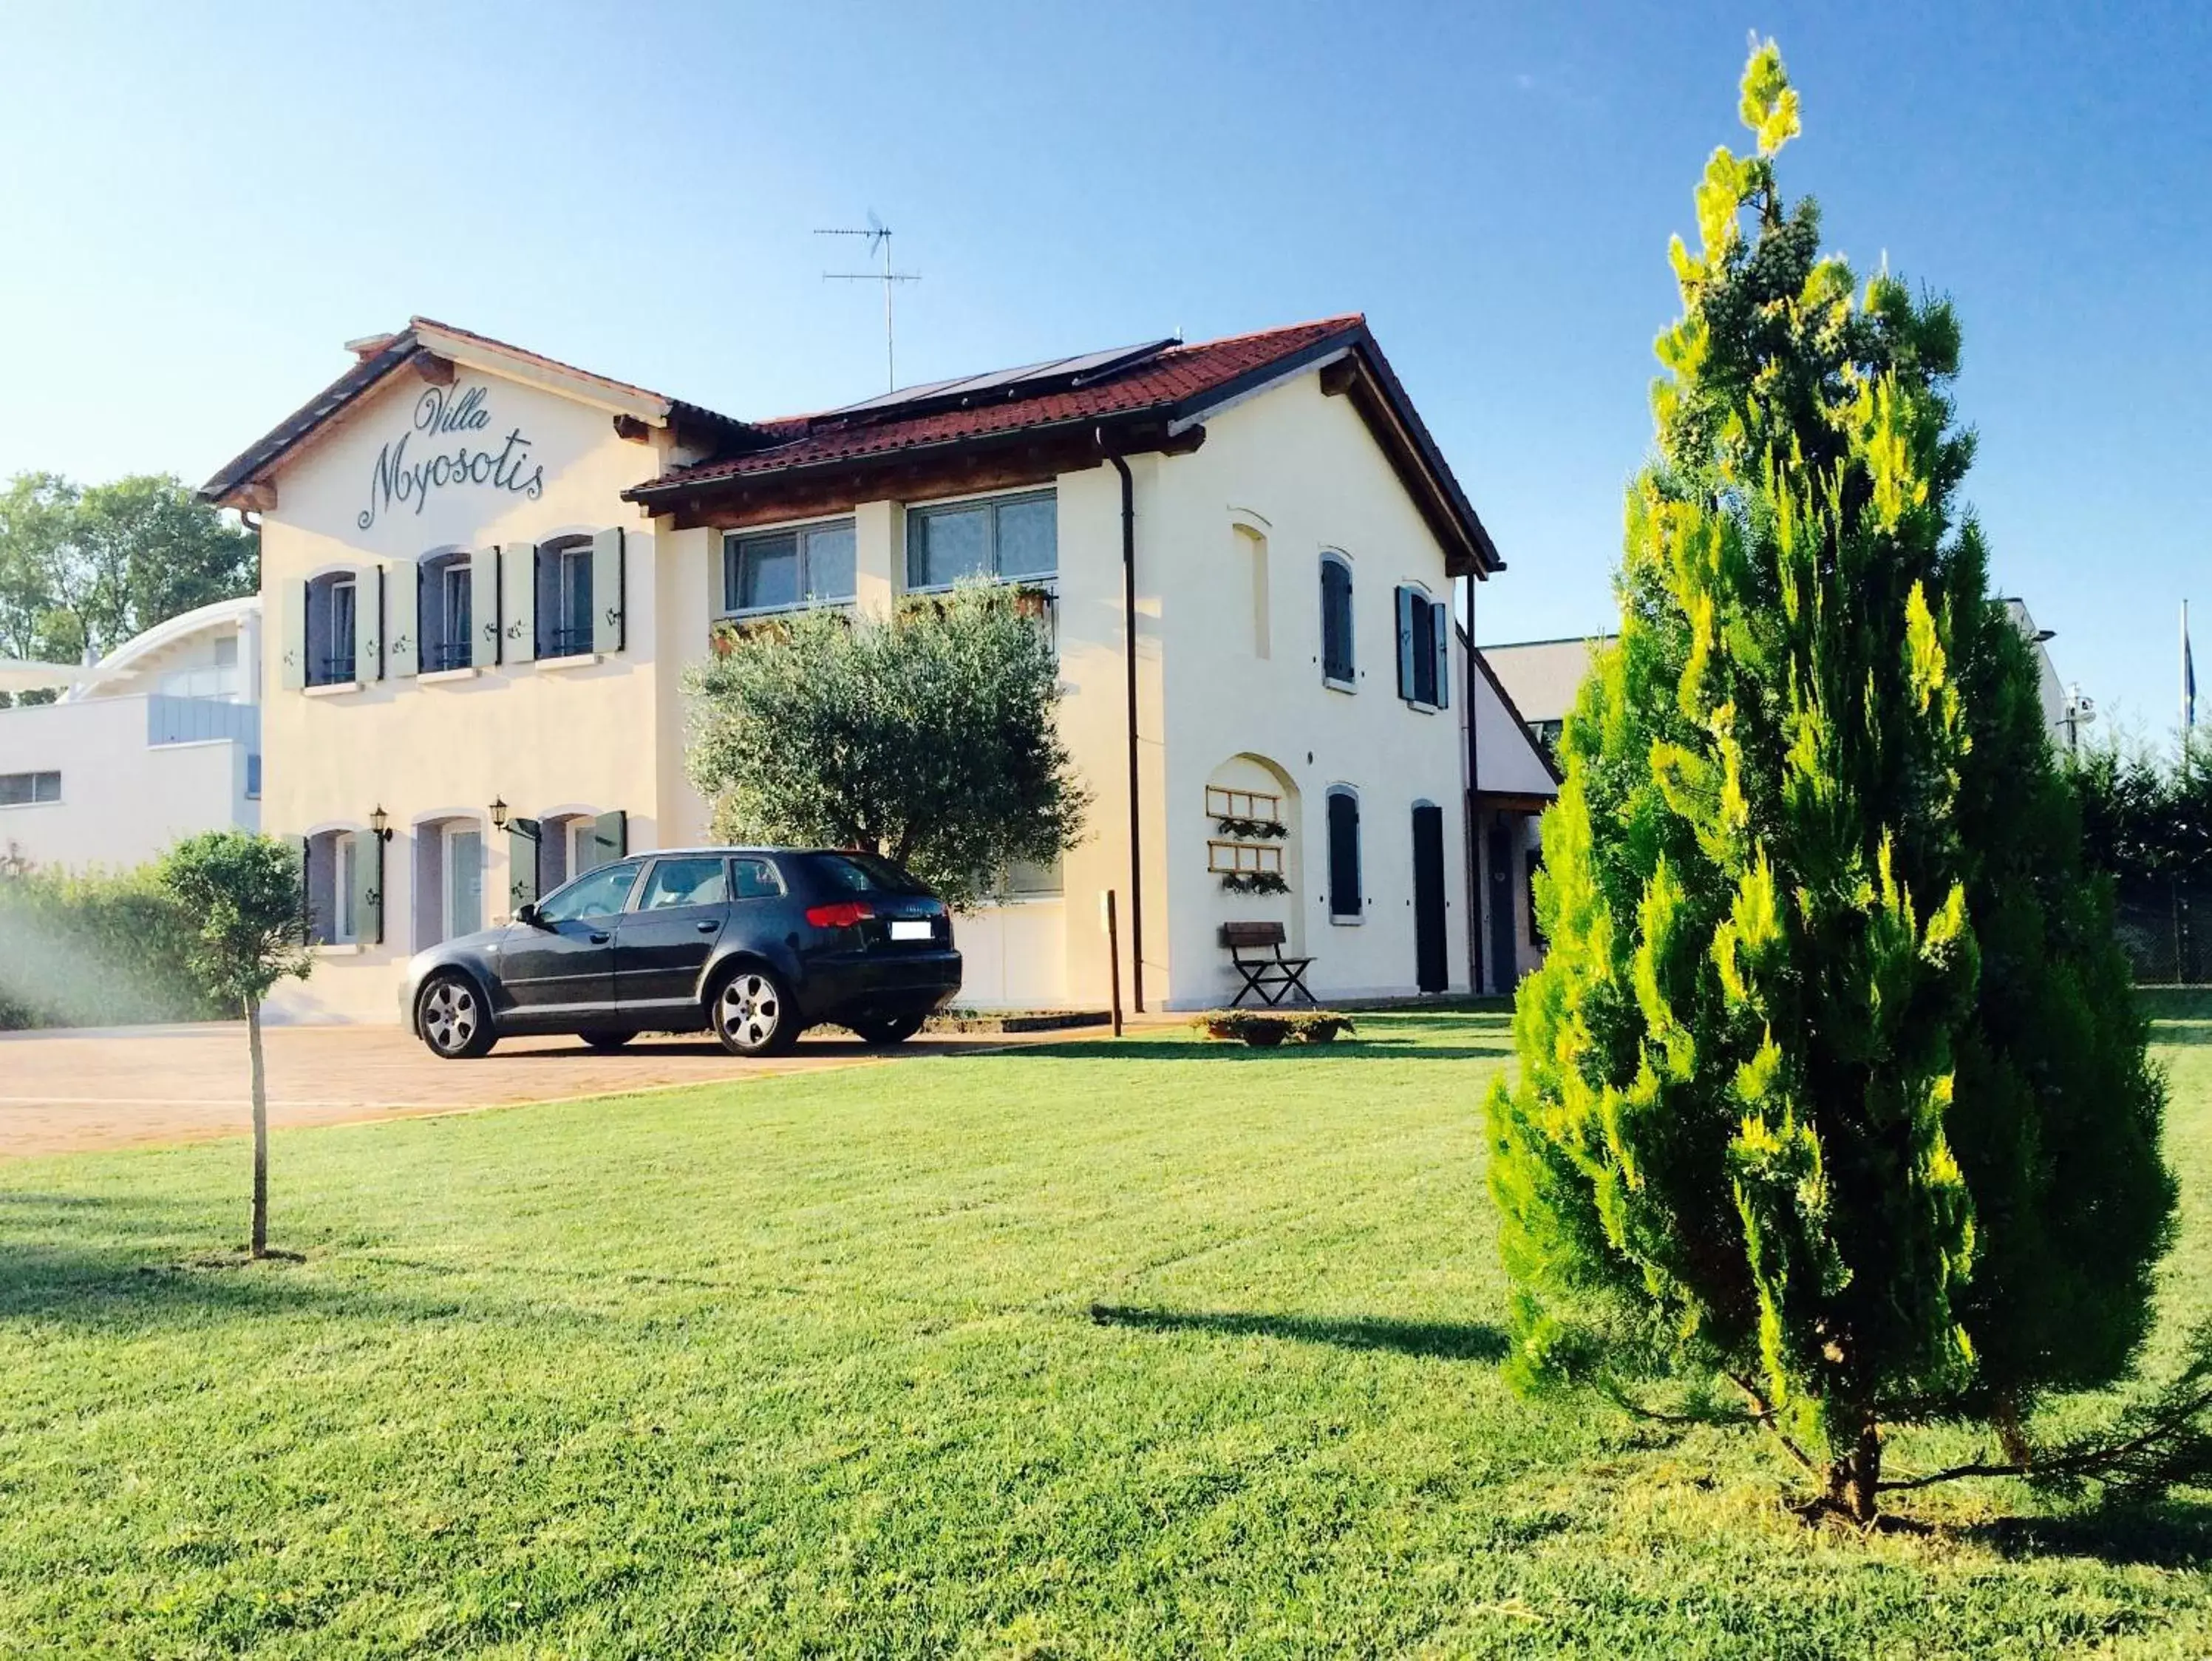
x,y
1149,1349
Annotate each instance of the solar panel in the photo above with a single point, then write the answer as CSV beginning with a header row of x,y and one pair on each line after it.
x,y
892,400
1030,378
1091,365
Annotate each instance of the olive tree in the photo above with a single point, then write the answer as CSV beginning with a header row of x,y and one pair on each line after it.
x,y
246,894
928,736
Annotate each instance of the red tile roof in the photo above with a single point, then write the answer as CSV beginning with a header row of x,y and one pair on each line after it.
x,y
1170,377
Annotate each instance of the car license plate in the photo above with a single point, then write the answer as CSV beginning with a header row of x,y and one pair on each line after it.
x,y
911,931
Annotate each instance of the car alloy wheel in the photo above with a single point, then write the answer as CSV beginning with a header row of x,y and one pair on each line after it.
x,y
453,1019
749,1017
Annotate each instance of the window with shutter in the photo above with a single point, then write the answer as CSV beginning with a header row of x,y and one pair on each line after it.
x,y
563,595
1424,638
1337,664
448,612
1344,903
483,609
332,630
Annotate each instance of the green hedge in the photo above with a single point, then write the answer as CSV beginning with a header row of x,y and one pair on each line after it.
x,y
101,950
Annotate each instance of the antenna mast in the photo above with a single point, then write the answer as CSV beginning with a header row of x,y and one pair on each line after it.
x,y
879,237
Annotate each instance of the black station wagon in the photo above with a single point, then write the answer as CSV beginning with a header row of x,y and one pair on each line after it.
x,y
754,945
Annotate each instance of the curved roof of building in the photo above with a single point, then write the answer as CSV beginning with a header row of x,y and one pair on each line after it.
x,y
221,616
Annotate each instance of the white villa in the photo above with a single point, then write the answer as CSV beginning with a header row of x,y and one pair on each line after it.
x,y
485,572
157,740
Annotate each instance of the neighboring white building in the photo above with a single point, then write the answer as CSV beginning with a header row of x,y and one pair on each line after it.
x,y
486,572
1511,781
160,740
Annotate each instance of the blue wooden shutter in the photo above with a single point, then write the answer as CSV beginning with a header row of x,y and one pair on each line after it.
x,y
1408,687
1343,854
1337,659
1441,615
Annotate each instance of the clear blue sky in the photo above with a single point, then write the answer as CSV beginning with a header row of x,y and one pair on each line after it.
x,y
204,202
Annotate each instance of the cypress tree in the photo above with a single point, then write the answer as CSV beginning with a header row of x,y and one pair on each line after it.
x,y
1832,1083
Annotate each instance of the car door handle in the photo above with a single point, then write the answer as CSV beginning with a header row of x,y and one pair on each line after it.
x,y
708,927
601,940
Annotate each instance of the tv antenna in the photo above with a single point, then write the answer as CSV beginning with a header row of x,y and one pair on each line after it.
x,y
878,236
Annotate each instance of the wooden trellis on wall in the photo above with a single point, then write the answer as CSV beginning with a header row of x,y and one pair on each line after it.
x,y
1238,855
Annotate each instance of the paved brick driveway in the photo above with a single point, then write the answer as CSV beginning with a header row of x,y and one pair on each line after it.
x,y
64,1091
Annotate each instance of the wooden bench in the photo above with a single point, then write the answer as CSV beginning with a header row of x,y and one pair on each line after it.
x,y
1268,974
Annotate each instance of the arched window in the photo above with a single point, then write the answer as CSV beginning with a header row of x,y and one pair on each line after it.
x,y
447,600
1343,854
1338,668
332,874
1425,635
332,629
564,596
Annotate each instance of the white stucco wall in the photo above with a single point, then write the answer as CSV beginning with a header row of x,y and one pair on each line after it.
x,y
1301,469
1292,470
535,737
124,801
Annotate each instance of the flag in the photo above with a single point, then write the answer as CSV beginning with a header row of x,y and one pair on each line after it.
x,y
2188,675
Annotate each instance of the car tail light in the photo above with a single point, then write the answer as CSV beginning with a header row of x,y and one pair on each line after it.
x,y
843,915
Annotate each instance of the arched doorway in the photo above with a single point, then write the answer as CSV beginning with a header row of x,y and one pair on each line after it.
x,y
1255,853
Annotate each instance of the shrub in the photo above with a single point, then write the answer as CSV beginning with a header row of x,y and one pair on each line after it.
x,y
1264,1029
103,949
1833,1084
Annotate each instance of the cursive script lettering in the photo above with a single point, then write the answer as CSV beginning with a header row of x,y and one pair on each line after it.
x,y
438,412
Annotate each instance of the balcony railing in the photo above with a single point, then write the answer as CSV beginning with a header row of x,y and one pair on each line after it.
x,y
330,671
442,654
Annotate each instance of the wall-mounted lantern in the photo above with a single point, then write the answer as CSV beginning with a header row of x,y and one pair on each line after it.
x,y
380,823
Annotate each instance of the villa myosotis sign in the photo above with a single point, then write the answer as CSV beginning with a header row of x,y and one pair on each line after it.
x,y
454,413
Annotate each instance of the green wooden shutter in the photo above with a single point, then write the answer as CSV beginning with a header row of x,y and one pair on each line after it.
x,y
517,602
483,608
367,623
1406,601
608,594
524,839
402,622
292,657
368,888
610,837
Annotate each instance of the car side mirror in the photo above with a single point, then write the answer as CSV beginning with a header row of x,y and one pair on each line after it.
x,y
527,913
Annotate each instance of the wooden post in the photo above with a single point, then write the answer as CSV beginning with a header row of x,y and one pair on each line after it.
x,y
260,1246
1113,957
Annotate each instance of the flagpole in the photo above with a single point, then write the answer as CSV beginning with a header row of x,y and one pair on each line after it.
x,y
2188,693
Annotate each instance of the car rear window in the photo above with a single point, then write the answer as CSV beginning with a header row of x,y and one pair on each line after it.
x,y
862,874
